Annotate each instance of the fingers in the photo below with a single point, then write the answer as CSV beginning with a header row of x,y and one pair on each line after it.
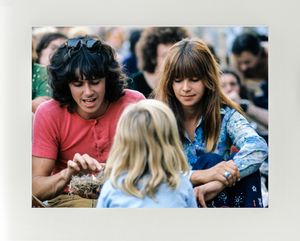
x,y
73,165
233,167
80,160
235,174
199,194
218,173
92,164
226,167
85,162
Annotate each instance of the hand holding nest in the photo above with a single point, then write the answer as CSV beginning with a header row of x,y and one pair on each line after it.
x,y
83,182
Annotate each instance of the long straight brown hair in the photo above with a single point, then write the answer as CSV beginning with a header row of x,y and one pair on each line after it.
x,y
191,58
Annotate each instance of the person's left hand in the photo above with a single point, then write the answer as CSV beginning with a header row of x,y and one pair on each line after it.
x,y
207,192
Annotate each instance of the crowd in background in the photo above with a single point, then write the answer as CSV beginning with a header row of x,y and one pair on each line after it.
x,y
241,53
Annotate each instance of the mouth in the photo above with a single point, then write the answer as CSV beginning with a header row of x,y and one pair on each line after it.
x,y
89,102
187,96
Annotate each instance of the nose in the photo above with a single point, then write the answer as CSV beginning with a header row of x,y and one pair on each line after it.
x,y
87,90
185,85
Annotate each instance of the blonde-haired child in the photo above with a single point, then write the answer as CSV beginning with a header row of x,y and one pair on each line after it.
x,y
147,167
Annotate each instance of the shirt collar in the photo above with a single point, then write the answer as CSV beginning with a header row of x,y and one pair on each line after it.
x,y
222,111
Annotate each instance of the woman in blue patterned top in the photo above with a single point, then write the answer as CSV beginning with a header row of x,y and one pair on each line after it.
x,y
210,124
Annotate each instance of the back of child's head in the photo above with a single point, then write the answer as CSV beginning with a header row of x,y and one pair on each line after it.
x,y
146,146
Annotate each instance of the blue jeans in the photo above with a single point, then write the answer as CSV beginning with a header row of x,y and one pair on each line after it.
x,y
246,192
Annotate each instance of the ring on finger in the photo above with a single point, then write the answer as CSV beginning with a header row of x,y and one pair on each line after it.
x,y
227,174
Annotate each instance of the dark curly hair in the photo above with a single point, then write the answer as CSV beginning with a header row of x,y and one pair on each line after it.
x,y
70,64
247,41
151,37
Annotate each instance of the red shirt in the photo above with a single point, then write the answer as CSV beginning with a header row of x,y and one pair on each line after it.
x,y
58,134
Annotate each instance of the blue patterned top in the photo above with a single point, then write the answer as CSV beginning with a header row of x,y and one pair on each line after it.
x,y
237,131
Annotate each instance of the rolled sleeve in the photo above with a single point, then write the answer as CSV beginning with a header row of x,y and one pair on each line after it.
x,y
253,149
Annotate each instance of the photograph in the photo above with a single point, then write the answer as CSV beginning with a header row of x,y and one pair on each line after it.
x,y
94,86
137,135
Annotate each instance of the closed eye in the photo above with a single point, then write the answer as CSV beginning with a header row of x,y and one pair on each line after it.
x,y
195,79
95,81
77,83
177,80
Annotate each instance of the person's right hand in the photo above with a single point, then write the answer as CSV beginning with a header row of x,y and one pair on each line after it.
x,y
234,96
84,162
216,173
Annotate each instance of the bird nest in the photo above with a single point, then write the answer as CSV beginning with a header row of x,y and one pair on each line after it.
x,y
87,186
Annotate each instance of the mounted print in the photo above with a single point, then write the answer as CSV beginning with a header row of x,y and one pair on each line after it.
x,y
150,117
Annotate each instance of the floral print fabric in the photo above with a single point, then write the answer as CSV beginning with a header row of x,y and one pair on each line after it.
x,y
235,131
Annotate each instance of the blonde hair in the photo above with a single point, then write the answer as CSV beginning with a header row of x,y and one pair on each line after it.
x,y
192,58
146,143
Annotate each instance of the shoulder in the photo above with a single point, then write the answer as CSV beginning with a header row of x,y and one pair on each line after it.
x,y
229,113
132,95
51,107
37,68
129,96
38,71
186,189
185,180
107,186
104,198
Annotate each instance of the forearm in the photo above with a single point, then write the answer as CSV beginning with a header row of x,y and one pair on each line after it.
x,y
249,162
212,189
198,177
258,114
208,192
249,170
252,149
47,187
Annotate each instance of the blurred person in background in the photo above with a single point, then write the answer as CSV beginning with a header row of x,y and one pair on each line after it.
x,y
151,50
250,58
41,90
116,38
78,31
232,87
130,61
258,117
47,45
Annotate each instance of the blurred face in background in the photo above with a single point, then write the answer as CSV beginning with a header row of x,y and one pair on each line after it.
x,y
47,52
246,62
115,38
229,84
162,50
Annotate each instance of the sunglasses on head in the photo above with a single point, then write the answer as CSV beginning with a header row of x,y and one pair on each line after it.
x,y
76,44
